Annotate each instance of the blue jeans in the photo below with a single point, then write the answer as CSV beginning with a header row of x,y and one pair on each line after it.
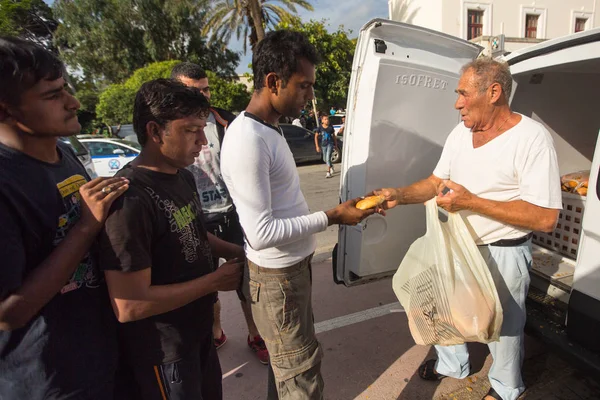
x,y
327,150
196,376
510,270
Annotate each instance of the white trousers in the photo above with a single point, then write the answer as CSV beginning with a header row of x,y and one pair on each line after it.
x,y
510,270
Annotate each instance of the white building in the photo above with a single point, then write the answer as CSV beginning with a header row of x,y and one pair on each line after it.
x,y
521,22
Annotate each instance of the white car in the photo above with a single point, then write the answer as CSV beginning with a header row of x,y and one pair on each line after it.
x,y
336,122
110,155
82,154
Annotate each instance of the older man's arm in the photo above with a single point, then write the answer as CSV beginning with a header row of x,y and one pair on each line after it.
x,y
517,213
418,192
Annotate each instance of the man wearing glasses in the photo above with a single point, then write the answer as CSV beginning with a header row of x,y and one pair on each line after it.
x,y
219,212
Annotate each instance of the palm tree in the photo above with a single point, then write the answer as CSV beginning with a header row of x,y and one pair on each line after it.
x,y
249,18
400,11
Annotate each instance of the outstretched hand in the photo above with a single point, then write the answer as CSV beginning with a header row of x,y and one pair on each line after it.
x,y
391,199
347,213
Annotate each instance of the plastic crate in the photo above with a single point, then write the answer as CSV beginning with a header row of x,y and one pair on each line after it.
x,y
565,238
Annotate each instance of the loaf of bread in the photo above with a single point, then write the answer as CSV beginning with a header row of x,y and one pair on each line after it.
x,y
576,182
370,202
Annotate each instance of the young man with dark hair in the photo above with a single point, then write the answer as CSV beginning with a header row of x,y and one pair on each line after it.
x,y
57,334
158,257
261,176
220,216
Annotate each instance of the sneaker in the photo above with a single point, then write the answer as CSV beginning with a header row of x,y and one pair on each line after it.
x,y
258,346
219,342
332,170
328,175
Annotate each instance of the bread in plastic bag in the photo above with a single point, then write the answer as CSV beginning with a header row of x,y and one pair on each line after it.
x,y
446,287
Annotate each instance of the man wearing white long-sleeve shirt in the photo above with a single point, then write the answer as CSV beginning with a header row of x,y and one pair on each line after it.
x,y
260,174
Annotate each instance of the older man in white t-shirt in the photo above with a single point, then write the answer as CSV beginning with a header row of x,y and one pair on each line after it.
x,y
501,171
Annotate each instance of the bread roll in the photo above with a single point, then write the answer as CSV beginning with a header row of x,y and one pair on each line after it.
x,y
370,202
582,191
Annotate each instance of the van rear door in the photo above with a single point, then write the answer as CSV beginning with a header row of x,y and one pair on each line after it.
x,y
400,111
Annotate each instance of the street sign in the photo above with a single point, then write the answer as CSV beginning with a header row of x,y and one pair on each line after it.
x,y
497,45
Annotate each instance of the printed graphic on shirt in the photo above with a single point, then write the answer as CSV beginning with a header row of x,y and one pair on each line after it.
x,y
181,222
85,274
207,174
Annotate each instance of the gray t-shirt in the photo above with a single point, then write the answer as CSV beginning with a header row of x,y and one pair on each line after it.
x,y
207,174
69,348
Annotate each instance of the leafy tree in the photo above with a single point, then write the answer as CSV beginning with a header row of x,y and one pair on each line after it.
x,y
231,96
110,39
87,94
30,19
115,105
150,72
337,52
248,19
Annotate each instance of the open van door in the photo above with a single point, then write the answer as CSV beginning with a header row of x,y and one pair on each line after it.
x,y
557,84
583,323
400,111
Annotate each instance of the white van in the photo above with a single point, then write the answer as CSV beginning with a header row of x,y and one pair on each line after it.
x,y
400,111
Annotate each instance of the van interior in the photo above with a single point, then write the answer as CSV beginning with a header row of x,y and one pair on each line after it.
x,y
564,98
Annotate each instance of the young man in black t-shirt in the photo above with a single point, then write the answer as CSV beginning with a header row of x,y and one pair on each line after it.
x,y
158,257
57,332
219,212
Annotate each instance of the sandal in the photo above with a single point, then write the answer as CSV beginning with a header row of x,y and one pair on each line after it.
x,y
427,371
492,393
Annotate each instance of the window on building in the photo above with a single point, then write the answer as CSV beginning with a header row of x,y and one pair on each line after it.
x,y
580,24
531,25
475,24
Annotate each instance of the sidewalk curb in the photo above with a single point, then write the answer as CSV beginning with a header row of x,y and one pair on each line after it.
x,y
322,254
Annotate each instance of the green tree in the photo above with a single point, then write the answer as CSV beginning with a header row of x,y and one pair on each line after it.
x,y
30,19
110,39
226,94
247,19
87,94
115,105
152,71
337,52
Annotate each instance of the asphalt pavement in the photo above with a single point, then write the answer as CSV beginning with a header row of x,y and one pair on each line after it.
x,y
369,352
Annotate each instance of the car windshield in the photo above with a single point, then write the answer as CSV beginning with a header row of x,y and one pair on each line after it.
x,y
76,145
335,120
132,144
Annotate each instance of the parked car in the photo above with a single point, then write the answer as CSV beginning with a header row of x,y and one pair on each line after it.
x,y
82,154
336,122
302,144
109,154
125,132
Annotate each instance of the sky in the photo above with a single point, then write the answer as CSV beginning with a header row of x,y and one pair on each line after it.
x,y
352,14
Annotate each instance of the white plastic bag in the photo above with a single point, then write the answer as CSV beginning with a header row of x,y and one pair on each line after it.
x,y
445,286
